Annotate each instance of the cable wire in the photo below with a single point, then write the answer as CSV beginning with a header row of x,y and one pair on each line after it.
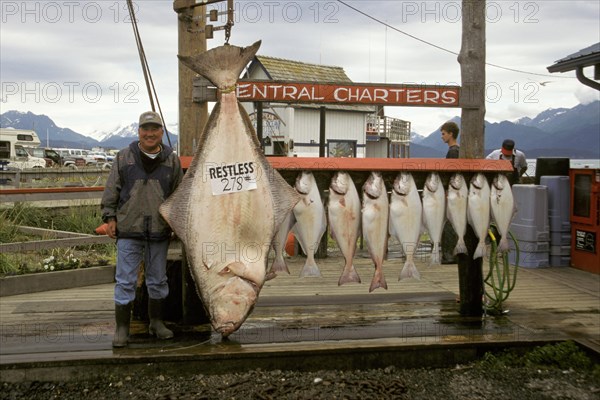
x,y
146,69
442,48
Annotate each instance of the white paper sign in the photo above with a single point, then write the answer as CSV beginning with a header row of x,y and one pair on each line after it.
x,y
232,178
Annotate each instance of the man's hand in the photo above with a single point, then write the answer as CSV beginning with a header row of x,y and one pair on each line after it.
x,y
111,229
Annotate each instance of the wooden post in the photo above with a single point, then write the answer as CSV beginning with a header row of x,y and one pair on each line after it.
x,y
192,116
472,71
472,68
192,119
259,123
470,278
322,122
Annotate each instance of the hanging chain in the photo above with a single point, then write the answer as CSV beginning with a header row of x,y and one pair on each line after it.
x,y
227,32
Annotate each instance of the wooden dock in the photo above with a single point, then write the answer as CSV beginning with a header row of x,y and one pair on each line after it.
x,y
296,315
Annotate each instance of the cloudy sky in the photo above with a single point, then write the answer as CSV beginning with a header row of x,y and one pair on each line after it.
x,y
76,61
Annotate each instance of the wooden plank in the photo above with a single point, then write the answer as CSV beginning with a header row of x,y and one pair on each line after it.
x,y
20,247
382,164
50,233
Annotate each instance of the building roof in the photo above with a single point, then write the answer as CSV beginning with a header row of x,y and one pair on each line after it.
x,y
279,69
583,58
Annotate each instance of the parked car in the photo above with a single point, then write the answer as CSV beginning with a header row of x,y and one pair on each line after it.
x,y
99,156
78,153
50,155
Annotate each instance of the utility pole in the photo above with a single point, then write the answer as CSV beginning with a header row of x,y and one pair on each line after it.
x,y
472,71
192,41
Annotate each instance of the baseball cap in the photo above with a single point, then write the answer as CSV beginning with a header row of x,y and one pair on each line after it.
x,y
507,147
150,117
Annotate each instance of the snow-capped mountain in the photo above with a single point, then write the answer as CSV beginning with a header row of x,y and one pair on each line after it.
x,y
54,136
561,131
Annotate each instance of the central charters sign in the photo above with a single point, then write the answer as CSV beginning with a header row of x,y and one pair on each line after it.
x,y
384,94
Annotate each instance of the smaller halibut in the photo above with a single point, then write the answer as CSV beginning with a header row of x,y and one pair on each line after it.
x,y
311,222
434,210
502,204
478,210
375,210
405,220
279,241
456,210
344,221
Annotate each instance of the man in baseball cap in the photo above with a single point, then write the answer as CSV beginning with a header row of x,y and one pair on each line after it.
x,y
507,147
144,174
516,157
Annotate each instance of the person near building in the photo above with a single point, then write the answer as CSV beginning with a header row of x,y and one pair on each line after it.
x,y
450,133
142,176
516,157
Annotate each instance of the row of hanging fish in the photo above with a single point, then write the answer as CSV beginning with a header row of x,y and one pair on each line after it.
x,y
404,215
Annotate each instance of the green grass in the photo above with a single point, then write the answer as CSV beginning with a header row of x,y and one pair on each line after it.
x,y
80,219
564,356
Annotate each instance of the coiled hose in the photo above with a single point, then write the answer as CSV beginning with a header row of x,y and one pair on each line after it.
x,y
500,279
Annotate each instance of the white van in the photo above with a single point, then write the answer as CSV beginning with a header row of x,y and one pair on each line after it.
x,y
12,152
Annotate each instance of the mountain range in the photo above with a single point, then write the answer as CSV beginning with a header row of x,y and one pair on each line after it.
x,y
54,136
565,132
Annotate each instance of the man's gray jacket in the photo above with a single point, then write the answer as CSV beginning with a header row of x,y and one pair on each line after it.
x,y
136,187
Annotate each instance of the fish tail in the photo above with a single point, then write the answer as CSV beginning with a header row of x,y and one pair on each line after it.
x,y
221,65
409,271
378,280
349,276
503,246
279,265
435,255
461,247
480,250
310,269
270,275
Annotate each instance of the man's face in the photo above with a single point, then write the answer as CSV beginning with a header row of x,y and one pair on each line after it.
x,y
150,137
446,136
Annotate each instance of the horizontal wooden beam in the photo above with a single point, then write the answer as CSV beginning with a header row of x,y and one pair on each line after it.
x,y
382,164
36,245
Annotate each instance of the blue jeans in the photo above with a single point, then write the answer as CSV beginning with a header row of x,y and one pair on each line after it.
x,y
130,252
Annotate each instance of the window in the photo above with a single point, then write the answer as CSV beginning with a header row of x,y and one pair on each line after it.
x,y
341,148
4,149
25,138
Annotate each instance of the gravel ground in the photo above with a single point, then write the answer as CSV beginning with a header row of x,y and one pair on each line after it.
x,y
472,381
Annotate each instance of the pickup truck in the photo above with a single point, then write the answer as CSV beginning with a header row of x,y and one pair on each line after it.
x,y
53,158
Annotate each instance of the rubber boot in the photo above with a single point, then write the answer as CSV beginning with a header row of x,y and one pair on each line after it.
x,y
122,317
157,327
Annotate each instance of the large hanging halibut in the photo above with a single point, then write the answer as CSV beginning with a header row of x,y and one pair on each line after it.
x,y
230,202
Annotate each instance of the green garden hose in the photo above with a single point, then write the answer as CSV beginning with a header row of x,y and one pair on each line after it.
x,y
500,280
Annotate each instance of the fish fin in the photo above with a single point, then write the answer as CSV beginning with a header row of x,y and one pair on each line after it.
x,y
279,265
409,271
461,247
285,197
221,65
310,270
479,251
435,255
503,246
270,275
349,276
378,281
175,209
